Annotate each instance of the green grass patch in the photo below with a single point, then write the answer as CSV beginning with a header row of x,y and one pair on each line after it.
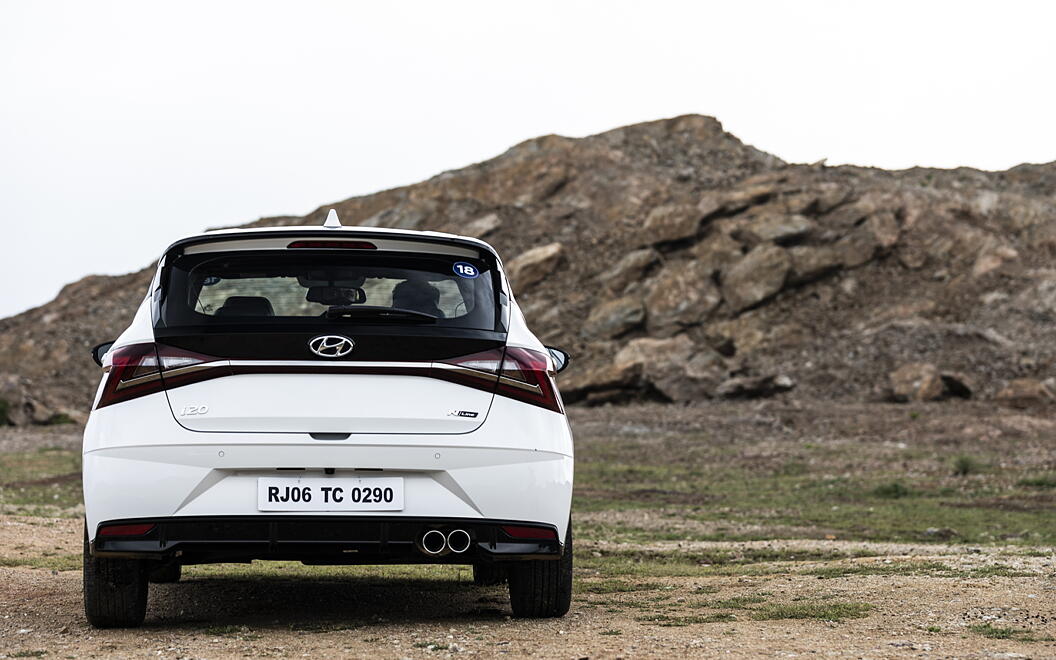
x,y
617,586
736,602
834,486
994,632
40,481
997,632
1046,482
965,465
740,562
892,491
645,565
21,467
673,621
58,419
926,568
736,504
915,568
996,570
1033,552
823,611
54,562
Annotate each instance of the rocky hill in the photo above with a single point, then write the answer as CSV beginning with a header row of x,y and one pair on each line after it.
x,y
677,263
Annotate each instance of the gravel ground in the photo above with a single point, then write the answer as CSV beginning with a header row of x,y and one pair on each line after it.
x,y
636,596
356,614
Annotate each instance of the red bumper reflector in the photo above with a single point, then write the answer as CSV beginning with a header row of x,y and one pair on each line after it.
x,y
138,529
328,245
520,532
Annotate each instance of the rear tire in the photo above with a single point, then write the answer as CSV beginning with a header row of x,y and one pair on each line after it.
x,y
542,588
166,573
115,590
488,575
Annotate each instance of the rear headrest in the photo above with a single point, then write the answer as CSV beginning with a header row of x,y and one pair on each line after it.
x,y
246,306
418,297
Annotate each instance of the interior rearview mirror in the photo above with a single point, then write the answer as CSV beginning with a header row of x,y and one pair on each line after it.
x,y
561,358
336,295
100,350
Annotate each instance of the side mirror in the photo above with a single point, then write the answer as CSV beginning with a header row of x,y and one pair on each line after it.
x,y
561,358
100,350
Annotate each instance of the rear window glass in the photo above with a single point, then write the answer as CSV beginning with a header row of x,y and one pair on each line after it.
x,y
291,287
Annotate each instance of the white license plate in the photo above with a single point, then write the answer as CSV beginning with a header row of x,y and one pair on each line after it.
x,y
330,494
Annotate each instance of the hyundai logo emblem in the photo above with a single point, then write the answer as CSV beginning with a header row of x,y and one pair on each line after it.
x,y
331,346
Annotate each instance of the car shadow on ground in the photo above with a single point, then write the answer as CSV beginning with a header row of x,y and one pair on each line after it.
x,y
321,603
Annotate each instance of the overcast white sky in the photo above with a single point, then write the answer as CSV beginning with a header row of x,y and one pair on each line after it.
x,y
124,125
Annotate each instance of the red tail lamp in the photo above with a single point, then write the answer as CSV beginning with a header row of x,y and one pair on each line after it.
x,y
525,532
135,529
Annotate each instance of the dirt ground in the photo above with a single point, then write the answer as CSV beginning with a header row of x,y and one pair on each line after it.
x,y
356,614
656,575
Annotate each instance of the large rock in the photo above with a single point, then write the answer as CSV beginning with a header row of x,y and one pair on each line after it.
x,y
917,381
614,318
19,405
857,248
671,222
646,351
675,367
589,377
686,382
885,228
717,251
748,193
812,262
401,216
1024,392
878,234
628,269
854,213
993,258
778,228
756,277
482,226
712,202
829,195
754,387
532,266
682,294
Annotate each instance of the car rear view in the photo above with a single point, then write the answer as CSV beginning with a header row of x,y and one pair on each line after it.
x,y
332,396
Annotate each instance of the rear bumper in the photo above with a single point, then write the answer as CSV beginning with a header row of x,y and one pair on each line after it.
x,y
319,540
139,464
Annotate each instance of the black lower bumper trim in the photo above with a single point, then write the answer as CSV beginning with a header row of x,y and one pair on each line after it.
x,y
318,540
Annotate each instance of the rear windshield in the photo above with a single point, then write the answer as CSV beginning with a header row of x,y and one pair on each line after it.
x,y
314,287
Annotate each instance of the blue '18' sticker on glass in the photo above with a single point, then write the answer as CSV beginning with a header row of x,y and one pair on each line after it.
x,y
468,271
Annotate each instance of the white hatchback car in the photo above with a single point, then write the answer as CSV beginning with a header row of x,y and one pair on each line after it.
x,y
331,395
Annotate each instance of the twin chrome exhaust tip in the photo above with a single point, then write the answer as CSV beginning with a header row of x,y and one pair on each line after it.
x,y
436,544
